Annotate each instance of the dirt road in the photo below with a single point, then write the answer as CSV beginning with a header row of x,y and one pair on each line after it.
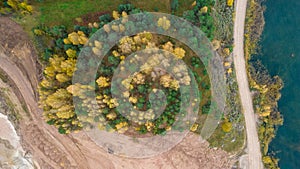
x,y
254,154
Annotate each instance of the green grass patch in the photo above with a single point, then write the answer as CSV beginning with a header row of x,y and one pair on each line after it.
x,y
13,115
64,12
231,142
183,6
58,12
3,77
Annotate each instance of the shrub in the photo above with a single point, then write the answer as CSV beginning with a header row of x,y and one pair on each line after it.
x,y
18,6
174,6
105,18
125,7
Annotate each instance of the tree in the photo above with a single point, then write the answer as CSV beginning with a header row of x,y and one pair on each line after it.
x,y
71,53
16,6
164,23
115,15
62,78
106,18
125,7
230,3
58,99
103,82
189,15
77,38
226,126
114,60
195,61
174,5
179,53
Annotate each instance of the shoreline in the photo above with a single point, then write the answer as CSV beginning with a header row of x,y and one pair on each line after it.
x,y
271,85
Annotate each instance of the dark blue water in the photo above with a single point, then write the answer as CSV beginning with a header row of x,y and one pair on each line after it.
x,y
281,40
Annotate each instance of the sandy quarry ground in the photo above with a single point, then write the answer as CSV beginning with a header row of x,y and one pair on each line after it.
x,y
12,154
50,149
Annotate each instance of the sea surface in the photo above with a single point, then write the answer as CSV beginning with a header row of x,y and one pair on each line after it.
x,y
280,53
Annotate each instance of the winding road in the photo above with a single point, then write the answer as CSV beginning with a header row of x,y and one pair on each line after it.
x,y
254,153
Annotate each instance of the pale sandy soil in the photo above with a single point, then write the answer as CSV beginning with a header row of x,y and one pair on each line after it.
x,y
53,150
254,154
12,154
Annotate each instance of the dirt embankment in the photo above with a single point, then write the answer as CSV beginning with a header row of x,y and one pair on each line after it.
x,y
53,150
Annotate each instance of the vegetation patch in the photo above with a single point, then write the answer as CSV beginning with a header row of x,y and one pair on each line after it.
x,y
15,6
57,91
3,77
266,88
230,134
223,21
9,107
59,42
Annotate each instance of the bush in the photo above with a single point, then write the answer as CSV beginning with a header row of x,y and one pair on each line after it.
x,y
174,6
125,7
105,18
47,54
226,126
18,6
206,108
58,31
190,16
195,62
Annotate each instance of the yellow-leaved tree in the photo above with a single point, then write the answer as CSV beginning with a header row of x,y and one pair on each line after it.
x,y
164,23
55,99
230,2
226,126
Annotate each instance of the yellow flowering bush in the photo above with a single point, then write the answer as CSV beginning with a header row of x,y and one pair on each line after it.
x,y
17,6
164,23
204,9
165,80
61,77
127,45
226,126
149,125
103,81
133,99
179,53
122,127
138,78
230,2
168,47
111,103
76,38
116,15
71,53
111,116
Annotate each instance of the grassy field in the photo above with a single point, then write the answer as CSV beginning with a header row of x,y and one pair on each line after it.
x,y
56,12
232,142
